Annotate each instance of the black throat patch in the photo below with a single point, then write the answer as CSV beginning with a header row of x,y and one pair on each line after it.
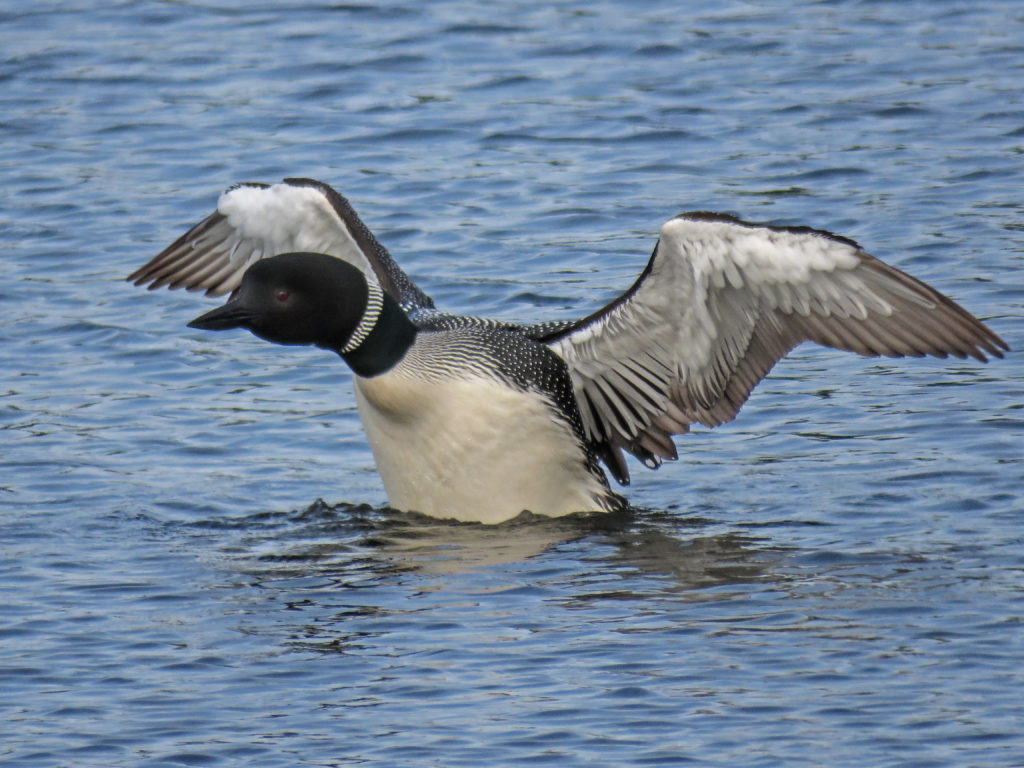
x,y
385,345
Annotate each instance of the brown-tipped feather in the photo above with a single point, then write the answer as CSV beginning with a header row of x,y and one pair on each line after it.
x,y
180,249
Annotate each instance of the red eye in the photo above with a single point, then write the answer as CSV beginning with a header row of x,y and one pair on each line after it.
x,y
282,295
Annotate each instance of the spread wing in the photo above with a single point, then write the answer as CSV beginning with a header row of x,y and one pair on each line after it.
x,y
719,303
254,221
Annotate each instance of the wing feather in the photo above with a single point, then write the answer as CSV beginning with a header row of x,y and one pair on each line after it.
x,y
720,302
255,221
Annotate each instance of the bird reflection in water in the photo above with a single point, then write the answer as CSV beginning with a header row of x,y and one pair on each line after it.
x,y
360,543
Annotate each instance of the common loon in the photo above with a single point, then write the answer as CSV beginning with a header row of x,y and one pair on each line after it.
x,y
479,420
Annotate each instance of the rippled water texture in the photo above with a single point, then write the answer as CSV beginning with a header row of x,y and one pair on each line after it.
x,y
833,579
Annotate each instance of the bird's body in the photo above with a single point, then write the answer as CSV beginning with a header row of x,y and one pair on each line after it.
x,y
470,440
478,420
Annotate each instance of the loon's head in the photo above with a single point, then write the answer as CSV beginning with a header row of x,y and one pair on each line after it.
x,y
312,298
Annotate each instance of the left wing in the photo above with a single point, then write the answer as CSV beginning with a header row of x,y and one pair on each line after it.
x,y
255,221
719,303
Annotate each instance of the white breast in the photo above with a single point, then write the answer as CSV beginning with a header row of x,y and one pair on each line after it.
x,y
471,448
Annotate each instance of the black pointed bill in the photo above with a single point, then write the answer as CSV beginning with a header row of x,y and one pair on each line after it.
x,y
231,315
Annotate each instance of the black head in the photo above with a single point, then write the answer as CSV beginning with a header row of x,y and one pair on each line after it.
x,y
295,298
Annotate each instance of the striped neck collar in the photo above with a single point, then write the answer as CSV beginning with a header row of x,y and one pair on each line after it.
x,y
381,339
374,306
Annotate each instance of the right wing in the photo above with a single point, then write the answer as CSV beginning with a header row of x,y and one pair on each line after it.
x,y
719,303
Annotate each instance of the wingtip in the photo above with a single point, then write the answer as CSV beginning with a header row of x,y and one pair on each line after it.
x,y
138,277
992,343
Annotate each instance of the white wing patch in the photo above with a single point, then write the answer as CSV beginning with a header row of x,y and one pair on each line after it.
x,y
285,218
720,303
252,222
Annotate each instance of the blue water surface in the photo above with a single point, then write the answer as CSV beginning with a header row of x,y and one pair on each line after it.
x,y
197,565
